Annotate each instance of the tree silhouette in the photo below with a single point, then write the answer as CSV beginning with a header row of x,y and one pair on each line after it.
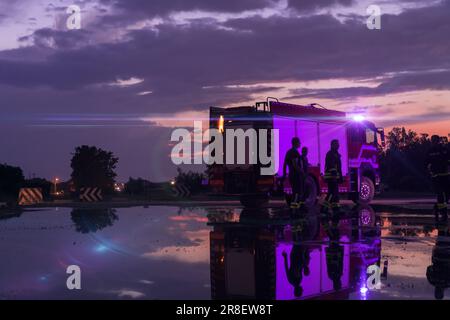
x,y
93,167
138,186
192,180
11,180
93,220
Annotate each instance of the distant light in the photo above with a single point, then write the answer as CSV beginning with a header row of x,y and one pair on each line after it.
x,y
172,183
118,187
363,290
359,117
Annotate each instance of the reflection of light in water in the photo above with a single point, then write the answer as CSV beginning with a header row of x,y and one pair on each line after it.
x,y
105,245
101,248
71,259
44,278
363,291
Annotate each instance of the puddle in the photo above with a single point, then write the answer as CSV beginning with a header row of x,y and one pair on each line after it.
x,y
173,253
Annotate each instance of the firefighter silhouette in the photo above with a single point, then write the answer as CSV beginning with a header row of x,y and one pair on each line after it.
x,y
300,256
294,271
293,162
333,176
438,160
334,253
438,273
305,162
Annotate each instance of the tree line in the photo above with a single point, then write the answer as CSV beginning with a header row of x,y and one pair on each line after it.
x,y
402,163
91,167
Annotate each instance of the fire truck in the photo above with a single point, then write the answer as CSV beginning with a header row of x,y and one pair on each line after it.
x,y
360,145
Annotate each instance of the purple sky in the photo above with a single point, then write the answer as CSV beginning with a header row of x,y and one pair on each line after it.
x,y
138,68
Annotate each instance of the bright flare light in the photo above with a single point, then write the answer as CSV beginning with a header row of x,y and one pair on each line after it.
x,y
359,117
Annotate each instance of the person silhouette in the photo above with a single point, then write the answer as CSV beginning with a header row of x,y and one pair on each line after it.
x,y
334,254
303,230
333,176
294,271
292,161
438,273
305,162
438,160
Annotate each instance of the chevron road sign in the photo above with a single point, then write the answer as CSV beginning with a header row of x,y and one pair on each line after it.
x,y
91,194
30,196
181,191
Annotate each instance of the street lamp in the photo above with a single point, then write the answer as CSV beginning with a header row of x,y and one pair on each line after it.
x,y
55,182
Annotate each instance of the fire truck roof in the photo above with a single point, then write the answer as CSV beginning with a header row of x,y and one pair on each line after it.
x,y
280,109
295,110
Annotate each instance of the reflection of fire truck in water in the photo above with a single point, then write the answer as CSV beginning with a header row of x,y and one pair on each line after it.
x,y
299,259
360,143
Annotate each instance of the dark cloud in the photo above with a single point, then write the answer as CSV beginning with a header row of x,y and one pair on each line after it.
x,y
178,62
439,80
311,5
272,49
146,8
57,39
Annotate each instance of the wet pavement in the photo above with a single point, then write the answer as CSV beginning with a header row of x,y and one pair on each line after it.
x,y
215,253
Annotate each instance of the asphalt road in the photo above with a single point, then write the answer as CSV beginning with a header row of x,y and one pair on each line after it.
x,y
400,205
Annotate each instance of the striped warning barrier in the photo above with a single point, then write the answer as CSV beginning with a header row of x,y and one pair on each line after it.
x,y
30,196
91,194
181,191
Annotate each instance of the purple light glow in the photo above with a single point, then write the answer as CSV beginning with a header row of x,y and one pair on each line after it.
x,y
317,282
315,136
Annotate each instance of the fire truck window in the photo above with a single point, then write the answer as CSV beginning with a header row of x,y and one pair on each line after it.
x,y
370,136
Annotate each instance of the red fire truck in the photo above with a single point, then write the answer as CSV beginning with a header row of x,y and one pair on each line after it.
x,y
360,144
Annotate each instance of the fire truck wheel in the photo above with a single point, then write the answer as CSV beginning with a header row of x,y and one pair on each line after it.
x,y
366,190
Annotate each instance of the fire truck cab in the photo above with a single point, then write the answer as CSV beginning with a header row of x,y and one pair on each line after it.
x,y
360,144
